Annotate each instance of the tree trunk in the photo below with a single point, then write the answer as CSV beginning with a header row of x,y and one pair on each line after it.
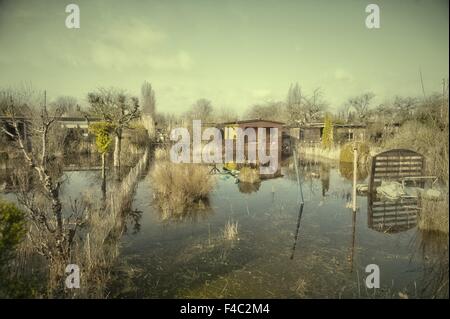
x,y
117,149
103,176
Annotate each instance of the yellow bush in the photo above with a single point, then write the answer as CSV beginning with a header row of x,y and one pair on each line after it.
x,y
346,154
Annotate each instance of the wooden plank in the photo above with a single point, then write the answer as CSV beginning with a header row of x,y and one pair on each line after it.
x,y
393,213
398,164
397,169
399,158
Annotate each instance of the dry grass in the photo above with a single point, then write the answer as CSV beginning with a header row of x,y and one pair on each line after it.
x,y
179,188
95,247
230,231
98,246
427,140
346,153
315,150
249,175
432,142
433,215
161,154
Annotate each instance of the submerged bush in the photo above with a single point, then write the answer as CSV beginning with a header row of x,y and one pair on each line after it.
x,y
179,188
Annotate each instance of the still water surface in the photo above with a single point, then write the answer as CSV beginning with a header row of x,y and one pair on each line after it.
x,y
190,258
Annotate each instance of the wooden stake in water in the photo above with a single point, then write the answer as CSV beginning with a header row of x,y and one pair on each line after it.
x,y
355,168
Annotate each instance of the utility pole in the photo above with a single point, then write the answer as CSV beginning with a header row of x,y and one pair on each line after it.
x,y
355,170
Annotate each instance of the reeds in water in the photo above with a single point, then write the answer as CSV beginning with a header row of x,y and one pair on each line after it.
x,y
230,231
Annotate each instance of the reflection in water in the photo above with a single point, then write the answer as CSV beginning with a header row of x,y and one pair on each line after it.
x,y
133,217
346,170
391,216
189,260
248,188
192,212
300,213
352,249
434,254
325,178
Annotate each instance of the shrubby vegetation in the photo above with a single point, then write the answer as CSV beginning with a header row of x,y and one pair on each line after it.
x,y
12,232
179,188
347,154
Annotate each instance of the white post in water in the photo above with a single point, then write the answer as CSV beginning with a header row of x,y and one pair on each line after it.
x,y
355,169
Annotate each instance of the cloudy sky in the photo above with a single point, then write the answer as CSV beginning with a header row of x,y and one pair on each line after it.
x,y
235,52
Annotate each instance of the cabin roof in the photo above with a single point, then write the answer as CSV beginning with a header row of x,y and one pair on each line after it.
x,y
321,125
256,122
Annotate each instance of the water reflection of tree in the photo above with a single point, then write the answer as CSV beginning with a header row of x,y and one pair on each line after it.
x,y
192,212
310,169
346,171
133,218
248,188
325,178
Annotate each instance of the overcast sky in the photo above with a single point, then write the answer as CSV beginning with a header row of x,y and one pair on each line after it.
x,y
234,53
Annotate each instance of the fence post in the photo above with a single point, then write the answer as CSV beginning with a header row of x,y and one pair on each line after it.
x,y
355,170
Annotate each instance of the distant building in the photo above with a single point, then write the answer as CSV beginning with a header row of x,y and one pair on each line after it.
x,y
229,129
342,133
229,132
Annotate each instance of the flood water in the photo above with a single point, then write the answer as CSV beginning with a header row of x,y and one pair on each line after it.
x,y
190,258
322,254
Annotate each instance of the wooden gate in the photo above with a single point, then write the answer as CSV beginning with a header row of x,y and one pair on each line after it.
x,y
394,165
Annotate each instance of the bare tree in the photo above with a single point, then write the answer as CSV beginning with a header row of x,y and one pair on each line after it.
x,y
314,106
40,123
148,102
202,110
117,109
404,107
294,108
226,115
272,110
67,104
361,104
301,108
